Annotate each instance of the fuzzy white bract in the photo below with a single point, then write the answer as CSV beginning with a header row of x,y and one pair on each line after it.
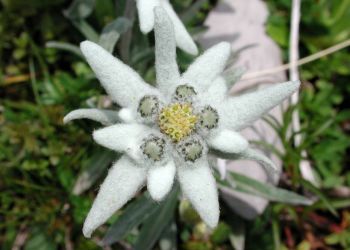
x,y
169,130
146,16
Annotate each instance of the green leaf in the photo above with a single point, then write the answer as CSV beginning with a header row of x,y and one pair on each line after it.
x,y
337,204
106,10
25,4
86,29
276,233
93,170
193,10
168,240
39,241
237,237
66,177
77,12
232,75
273,123
332,239
157,222
252,155
79,9
319,131
221,233
112,31
251,186
65,46
237,241
133,216
304,245
278,29
320,195
81,206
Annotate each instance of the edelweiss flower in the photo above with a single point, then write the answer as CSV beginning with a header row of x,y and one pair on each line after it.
x,y
168,131
146,16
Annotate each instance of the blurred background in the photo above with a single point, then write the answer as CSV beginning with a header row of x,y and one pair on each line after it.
x,y
50,173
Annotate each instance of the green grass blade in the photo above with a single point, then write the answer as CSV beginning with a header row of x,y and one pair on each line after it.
x,y
276,234
112,31
65,46
320,195
157,222
267,191
93,170
86,29
238,237
132,217
191,12
79,9
168,240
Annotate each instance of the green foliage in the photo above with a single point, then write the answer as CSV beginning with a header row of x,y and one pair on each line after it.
x,y
135,214
324,114
24,24
157,222
342,239
323,108
323,23
328,146
220,234
251,186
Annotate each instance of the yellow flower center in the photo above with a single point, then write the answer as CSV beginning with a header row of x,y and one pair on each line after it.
x,y
177,121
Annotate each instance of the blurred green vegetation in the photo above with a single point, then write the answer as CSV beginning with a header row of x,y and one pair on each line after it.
x,y
44,192
325,115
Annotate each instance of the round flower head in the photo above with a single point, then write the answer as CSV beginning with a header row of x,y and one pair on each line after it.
x,y
169,130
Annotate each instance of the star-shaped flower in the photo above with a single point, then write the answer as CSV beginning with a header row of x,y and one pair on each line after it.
x,y
168,131
146,17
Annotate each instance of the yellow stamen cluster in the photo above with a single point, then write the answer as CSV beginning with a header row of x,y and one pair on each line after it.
x,y
177,121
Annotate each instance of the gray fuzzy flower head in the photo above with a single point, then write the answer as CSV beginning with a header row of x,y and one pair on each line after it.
x,y
168,130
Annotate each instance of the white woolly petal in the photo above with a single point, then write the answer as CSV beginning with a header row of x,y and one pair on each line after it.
x,y
124,179
105,117
121,82
221,166
146,15
208,66
239,112
160,180
165,51
127,115
254,155
183,39
215,94
122,138
251,154
227,141
199,186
